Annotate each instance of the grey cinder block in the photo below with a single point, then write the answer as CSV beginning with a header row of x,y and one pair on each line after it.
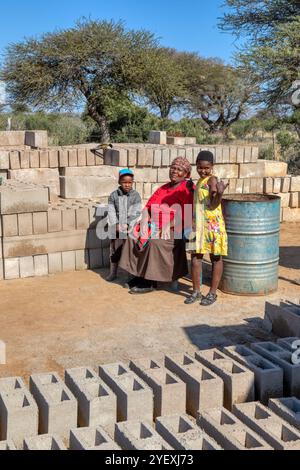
x,y
93,438
138,435
288,409
44,442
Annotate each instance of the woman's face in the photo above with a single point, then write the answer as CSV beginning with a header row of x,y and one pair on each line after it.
x,y
204,169
177,174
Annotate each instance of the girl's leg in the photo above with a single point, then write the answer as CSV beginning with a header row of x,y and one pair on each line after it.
x,y
196,264
217,271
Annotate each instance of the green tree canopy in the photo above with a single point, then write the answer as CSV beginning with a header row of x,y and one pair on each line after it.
x,y
92,63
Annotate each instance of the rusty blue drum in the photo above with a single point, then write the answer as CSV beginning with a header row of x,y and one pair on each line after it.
x,y
253,228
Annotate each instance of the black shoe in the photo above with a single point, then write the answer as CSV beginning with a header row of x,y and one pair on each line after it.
x,y
209,300
140,290
191,299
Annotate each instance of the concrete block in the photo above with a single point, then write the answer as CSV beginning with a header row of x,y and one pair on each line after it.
x,y
10,385
34,159
283,318
81,157
11,268
182,434
247,154
68,261
163,175
239,186
240,155
274,430
26,267
285,184
226,171
90,158
260,185
147,190
291,343
295,183
97,405
233,154
25,224
229,432
102,171
263,169
44,442
268,185
141,156
10,225
190,141
255,154
276,185
14,160
54,220
4,159
55,263
120,157
204,389
108,157
285,199
93,438
134,397
175,140
41,265
238,380
41,176
132,157
268,376
25,159
63,158
53,159
82,218
12,138
86,186
7,445
18,417
40,222
165,158
157,158
36,139
68,219
158,137
57,405
291,215
44,159
149,157
226,154
246,186
72,157
294,200
232,186
82,260
288,409
146,174
283,358
189,154
2,351
138,435
169,391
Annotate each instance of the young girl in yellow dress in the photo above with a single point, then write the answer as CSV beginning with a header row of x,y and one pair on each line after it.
x,y
209,229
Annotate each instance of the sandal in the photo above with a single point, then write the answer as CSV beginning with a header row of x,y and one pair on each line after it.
x,y
191,299
209,299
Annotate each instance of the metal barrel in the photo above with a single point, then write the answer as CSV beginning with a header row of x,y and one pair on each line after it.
x,y
253,228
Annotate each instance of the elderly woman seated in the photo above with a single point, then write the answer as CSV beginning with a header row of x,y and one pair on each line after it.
x,y
157,251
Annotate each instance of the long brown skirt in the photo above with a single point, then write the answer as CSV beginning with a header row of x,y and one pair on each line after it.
x,y
162,260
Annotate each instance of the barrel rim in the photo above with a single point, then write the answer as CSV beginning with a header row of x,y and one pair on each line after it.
x,y
243,198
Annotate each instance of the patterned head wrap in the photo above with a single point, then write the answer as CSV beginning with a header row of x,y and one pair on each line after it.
x,y
183,164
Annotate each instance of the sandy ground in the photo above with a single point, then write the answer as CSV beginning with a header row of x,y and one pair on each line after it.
x,y
77,319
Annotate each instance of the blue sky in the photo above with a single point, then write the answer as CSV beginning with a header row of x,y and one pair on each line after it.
x,y
186,25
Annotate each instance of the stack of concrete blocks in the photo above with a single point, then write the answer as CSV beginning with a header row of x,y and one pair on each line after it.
x,y
204,389
288,409
169,391
57,405
291,343
182,434
41,238
274,430
92,438
238,380
134,396
138,435
97,405
284,318
268,376
44,442
283,358
18,412
229,432
7,445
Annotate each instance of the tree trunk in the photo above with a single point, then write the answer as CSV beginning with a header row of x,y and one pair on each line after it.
x,y
101,120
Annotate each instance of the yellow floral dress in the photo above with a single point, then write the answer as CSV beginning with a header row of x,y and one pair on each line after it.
x,y
211,236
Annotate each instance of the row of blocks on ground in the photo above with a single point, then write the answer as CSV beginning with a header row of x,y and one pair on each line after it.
x,y
238,398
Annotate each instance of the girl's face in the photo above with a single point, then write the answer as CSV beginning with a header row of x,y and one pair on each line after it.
x,y
204,169
177,174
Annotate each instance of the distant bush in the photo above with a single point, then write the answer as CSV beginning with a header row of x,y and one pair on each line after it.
x,y
266,152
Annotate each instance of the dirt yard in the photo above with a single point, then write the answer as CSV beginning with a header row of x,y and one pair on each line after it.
x,y
77,319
